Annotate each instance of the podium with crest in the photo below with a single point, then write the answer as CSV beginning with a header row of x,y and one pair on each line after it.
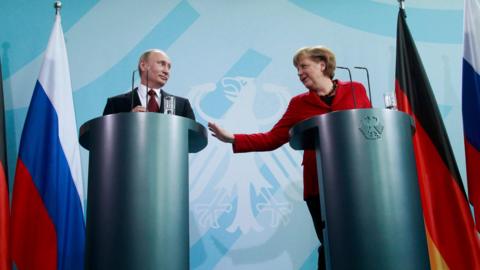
x,y
369,194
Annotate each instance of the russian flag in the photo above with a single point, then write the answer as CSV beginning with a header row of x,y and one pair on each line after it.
x,y
5,263
471,102
48,227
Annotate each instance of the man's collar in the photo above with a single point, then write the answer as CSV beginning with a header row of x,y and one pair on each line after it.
x,y
142,90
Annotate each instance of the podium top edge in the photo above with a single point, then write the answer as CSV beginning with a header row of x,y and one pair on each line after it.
x,y
196,129
300,132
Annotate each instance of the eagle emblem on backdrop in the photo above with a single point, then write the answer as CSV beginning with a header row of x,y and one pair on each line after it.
x,y
240,186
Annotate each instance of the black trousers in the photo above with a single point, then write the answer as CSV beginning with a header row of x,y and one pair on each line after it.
x,y
314,208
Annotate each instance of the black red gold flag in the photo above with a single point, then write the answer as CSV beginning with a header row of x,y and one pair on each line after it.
x,y
452,239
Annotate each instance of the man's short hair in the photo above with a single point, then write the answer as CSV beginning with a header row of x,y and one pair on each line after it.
x,y
145,56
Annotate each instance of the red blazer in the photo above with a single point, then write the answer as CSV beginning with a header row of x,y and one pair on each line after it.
x,y
300,108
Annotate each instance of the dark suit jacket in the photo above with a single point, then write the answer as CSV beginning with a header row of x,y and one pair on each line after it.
x,y
125,103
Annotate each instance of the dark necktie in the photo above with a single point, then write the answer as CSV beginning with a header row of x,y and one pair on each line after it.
x,y
152,105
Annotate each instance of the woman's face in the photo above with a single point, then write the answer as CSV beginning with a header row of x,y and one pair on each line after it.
x,y
310,72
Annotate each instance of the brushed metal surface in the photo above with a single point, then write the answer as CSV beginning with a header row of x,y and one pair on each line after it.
x,y
137,213
368,188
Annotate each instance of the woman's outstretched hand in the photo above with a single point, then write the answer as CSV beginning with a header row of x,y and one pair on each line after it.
x,y
220,133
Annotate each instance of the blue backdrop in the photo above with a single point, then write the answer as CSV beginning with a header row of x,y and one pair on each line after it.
x,y
247,210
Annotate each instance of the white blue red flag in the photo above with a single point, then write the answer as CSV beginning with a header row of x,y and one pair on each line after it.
x,y
48,227
471,102
4,201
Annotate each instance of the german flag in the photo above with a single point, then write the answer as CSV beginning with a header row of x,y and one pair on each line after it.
x,y
4,202
452,239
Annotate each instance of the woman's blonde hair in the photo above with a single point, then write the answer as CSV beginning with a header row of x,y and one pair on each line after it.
x,y
318,54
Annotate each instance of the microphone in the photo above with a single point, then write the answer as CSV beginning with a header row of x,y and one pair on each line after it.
x,y
351,85
133,86
368,82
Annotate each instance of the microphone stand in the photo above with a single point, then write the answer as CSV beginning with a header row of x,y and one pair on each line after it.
x,y
351,85
368,82
133,86
146,96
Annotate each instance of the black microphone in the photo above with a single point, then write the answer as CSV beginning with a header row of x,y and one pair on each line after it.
x,y
133,86
351,85
368,82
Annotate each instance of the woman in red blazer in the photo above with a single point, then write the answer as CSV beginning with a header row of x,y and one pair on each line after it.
x,y
316,67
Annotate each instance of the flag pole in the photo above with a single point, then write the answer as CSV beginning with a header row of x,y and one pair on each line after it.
x,y
402,8
3,155
57,5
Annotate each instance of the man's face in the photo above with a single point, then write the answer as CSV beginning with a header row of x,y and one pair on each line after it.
x,y
157,65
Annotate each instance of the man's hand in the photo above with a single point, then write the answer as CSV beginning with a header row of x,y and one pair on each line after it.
x,y
139,109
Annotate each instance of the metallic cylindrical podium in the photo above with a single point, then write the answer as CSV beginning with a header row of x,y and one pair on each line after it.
x,y
137,212
369,192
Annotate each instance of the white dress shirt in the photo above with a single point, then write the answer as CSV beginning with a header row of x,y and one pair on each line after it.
x,y
142,94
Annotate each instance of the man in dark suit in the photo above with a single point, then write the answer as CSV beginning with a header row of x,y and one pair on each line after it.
x,y
154,69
